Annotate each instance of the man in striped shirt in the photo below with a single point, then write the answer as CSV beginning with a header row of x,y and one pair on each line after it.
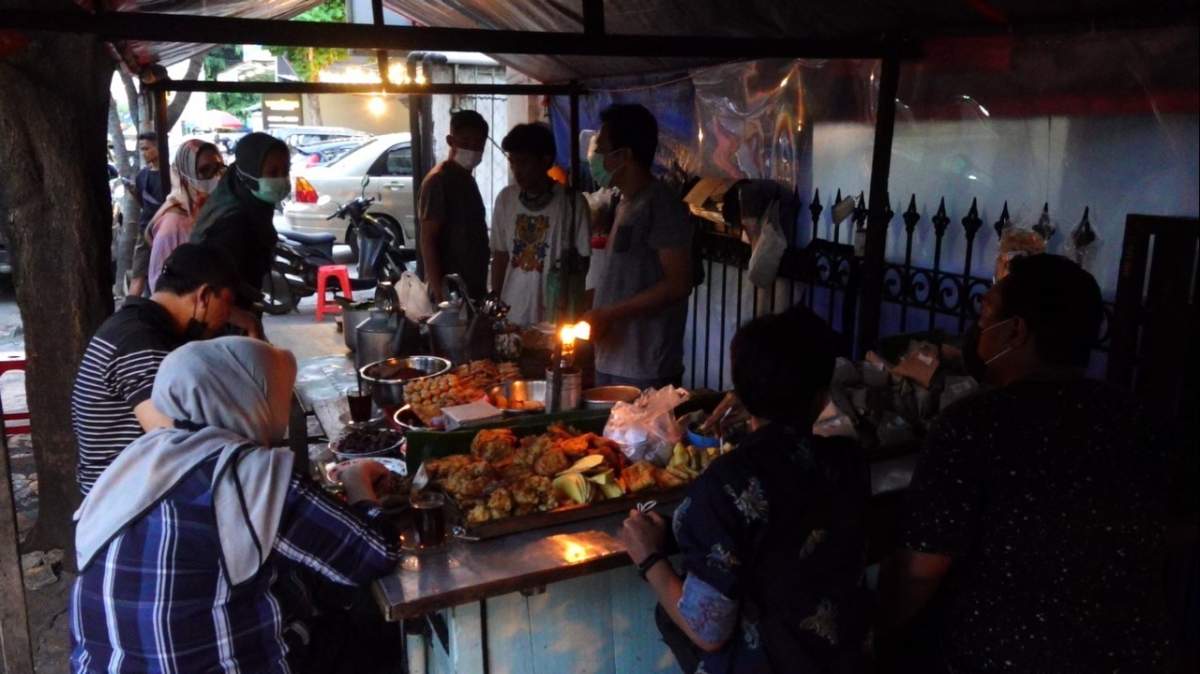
x,y
110,406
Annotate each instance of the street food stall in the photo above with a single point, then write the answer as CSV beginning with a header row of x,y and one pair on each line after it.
x,y
514,564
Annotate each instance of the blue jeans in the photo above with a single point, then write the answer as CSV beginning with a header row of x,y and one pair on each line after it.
x,y
603,379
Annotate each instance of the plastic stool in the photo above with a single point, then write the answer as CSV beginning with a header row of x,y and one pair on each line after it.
x,y
337,271
12,423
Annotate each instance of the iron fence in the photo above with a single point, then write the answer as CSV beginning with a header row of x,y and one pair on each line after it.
x,y
822,270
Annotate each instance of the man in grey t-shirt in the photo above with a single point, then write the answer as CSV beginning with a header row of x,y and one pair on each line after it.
x,y
639,306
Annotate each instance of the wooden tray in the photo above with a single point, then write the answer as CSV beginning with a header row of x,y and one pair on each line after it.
x,y
562,515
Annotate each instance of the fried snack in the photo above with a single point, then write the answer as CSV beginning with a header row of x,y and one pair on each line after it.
x,y
639,477
574,447
535,491
500,503
551,462
494,444
444,467
479,514
666,479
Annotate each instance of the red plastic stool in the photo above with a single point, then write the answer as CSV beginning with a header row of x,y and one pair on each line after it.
x,y
12,423
337,271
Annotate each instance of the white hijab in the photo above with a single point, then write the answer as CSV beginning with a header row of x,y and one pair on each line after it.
x,y
230,397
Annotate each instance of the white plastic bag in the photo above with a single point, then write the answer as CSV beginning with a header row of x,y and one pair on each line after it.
x,y
768,249
414,297
646,428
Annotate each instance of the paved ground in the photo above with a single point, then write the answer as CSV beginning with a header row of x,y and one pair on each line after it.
x,y
47,586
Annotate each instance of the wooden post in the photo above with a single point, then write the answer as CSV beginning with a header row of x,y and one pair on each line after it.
x,y
16,649
877,218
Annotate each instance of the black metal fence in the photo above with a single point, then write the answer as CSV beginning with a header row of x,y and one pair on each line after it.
x,y
822,271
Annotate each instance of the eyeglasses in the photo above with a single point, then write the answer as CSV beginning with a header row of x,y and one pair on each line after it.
x,y
210,171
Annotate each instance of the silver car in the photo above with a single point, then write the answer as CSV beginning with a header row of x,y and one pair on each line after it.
x,y
318,191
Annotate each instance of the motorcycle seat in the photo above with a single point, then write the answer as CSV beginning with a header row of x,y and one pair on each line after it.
x,y
308,239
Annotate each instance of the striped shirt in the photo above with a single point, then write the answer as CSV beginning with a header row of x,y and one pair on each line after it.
x,y
116,375
156,598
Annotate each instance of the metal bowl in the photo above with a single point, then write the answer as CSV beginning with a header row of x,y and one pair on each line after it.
x,y
389,392
523,389
604,397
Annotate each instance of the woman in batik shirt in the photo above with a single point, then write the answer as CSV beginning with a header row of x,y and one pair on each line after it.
x,y
771,535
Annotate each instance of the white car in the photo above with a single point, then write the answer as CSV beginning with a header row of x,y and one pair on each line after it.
x,y
318,191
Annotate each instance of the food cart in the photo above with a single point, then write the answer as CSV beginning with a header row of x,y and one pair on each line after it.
x,y
562,598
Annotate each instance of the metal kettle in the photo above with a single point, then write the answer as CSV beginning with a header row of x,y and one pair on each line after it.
x,y
458,331
379,337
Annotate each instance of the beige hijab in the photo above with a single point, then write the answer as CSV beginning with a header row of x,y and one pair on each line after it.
x,y
184,196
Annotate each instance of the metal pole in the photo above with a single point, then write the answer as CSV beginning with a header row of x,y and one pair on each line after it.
x,y
877,218
593,17
164,151
381,55
575,173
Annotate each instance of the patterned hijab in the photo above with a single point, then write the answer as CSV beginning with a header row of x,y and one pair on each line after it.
x,y
184,196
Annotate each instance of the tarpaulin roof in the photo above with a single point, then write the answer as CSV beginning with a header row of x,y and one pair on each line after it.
x,y
811,19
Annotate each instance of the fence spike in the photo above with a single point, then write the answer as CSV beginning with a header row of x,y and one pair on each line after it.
x,y
815,208
972,222
1084,235
940,220
911,215
1003,223
1045,227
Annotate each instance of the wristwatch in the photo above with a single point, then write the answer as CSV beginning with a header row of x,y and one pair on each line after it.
x,y
649,562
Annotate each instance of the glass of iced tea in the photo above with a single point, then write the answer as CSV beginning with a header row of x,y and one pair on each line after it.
x,y
430,510
359,404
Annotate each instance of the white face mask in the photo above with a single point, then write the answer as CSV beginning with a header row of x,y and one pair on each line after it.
x,y
1003,352
206,186
467,159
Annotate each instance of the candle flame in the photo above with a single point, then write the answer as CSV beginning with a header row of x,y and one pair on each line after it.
x,y
583,331
567,335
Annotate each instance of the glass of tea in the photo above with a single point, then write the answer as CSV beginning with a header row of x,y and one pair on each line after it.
x,y
360,405
430,510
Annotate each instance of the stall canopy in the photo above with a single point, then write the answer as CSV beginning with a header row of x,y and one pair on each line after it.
x,y
847,20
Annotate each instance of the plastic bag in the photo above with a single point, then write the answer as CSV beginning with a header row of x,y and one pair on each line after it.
x,y
646,429
768,249
414,297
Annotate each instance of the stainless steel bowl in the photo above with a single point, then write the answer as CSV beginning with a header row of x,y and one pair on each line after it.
x,y
604,397
523,389
389,392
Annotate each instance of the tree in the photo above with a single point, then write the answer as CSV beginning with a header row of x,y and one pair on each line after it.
x,y
308,61
53,115
217,61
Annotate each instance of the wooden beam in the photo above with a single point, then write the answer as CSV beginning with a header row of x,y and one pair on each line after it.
x,y
151,27
369,88
16,648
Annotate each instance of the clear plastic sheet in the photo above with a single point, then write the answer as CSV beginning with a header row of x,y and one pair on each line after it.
x,y
167,53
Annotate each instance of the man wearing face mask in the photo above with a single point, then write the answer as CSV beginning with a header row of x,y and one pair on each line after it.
x,y
237,218
1037,509
454,234
110,405
639,304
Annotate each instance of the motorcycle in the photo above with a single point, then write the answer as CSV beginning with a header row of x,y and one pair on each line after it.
x,y
380,251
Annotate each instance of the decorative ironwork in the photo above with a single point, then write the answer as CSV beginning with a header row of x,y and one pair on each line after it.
x,y
837,224
1045,226
1003,223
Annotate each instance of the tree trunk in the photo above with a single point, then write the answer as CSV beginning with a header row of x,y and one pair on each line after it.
x,y
180,101
52,142
127,165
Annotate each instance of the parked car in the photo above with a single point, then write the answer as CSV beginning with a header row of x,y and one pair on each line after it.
x,y
324,153
304,136
320,190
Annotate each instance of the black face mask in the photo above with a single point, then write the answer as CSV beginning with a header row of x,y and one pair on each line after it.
x,y
196,328
975,366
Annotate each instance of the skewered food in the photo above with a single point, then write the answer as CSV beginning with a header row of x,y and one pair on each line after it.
x,y
464,384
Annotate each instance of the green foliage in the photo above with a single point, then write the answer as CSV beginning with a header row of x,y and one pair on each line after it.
x,y
307,61
216,61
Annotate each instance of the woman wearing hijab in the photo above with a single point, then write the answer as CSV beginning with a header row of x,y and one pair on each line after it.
x,y
237,218
194,176
183,538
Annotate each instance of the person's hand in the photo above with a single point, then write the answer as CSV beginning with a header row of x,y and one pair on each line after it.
x,y
601,321
718,422
247,322
643,535
361,479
